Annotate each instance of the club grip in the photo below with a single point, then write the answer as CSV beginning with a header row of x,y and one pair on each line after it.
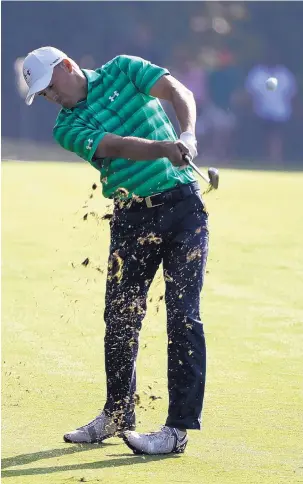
x,y
186,158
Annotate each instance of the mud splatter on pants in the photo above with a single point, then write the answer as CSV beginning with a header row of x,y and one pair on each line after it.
x,y
175,234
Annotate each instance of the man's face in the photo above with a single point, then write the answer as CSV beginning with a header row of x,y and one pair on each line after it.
x,y
62,89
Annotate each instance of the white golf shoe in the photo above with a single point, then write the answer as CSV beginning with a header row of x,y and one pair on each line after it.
x,y
102,427
168,440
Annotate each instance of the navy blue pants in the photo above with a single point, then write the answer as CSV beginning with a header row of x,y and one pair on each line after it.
x,y
175,234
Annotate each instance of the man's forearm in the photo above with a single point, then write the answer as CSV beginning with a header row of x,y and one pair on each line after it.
x,y
184,105
136,149
170,89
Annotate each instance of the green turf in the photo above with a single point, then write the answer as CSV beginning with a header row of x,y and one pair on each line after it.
x,y
52,334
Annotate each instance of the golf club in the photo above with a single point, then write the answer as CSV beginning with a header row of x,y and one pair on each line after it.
x,y
213,174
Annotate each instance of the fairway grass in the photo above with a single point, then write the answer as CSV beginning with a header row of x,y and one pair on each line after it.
x,y
52,334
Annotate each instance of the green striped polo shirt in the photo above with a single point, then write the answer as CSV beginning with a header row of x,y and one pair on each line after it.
x,y
118,101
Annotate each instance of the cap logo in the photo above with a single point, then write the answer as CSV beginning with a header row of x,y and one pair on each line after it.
x,y
56,60
26,74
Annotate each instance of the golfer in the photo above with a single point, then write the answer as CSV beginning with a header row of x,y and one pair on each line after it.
x,y
112,118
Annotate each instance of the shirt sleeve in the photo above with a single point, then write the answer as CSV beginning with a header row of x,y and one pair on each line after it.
x,y
142,73
79,139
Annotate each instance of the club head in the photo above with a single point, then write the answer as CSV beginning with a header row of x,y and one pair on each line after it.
x,y
213,175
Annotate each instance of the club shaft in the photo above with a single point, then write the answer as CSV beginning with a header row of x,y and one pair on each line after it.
x,y
194,167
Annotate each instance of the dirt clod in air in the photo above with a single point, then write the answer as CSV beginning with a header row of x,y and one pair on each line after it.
x,y
136,306
123,192
167,277
107,216
136,198
153,397
122,195
115,267
193,254
150,239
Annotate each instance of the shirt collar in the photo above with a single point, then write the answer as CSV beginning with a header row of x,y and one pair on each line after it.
x,y
91,77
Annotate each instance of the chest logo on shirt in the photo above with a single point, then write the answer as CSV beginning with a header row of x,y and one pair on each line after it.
x,y
89,144
112,98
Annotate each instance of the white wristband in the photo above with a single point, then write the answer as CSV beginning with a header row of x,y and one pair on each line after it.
x,y
190,142
189,138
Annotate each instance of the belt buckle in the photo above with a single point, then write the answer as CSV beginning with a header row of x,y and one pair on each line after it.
x,y
149,203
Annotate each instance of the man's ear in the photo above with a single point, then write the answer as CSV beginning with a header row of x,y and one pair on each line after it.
x,y
68,65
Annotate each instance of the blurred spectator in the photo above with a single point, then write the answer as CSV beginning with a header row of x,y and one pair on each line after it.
x,y
272,110
144,44
218,121
187,70
244,123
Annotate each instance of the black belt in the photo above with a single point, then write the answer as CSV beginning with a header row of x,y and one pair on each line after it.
x,y
173,195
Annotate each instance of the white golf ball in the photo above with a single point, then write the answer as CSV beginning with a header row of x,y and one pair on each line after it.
x,y
272,83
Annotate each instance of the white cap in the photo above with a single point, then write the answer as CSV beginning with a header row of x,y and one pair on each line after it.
x,y
38,69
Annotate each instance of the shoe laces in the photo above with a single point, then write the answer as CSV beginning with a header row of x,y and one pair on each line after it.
x,y
163,433
92,422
